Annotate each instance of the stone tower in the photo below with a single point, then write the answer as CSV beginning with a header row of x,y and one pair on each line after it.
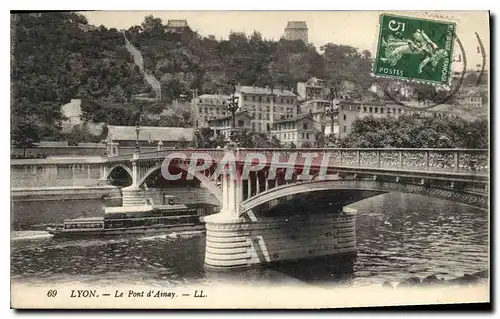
x,y
296,30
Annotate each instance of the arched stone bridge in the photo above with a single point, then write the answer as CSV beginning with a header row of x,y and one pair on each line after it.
x,y
461,175
240,235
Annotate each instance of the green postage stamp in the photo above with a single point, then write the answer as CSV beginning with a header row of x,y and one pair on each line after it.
x,y
414,49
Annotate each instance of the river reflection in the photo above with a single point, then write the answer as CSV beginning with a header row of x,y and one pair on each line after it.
x,y
398,236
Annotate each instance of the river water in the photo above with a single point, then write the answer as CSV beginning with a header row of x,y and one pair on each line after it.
x,y
398,236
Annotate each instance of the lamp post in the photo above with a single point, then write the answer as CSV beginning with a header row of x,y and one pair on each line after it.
x,y
105,147
332,111
138,130
137,145
232,106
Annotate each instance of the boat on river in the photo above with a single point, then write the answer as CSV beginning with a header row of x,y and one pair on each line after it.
x,y
142,219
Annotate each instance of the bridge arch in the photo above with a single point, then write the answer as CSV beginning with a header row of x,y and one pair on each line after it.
x,y
114,171
468,198
204,180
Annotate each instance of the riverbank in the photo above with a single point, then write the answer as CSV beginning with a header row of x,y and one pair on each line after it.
x,y
58,193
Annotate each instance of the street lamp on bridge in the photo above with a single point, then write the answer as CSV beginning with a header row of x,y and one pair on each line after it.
x,y
332,111
232,107
138,130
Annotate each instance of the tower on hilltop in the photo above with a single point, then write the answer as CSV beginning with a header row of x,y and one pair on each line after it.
x,y
297,30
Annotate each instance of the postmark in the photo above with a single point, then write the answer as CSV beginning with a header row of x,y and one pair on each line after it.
x,y
414,49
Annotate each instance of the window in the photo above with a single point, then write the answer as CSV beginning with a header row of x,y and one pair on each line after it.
x,y
305,126
302,135
260,98
345,117
268,109
307,136
260,116
389,110
253,98
345,129
370,109
382,110
240,123
267,99
274,108
253,126
244,97
364,109
399,111
267,116
376,110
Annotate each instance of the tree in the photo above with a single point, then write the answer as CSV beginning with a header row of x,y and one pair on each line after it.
x,y
417,132
81,134
25,134
206,138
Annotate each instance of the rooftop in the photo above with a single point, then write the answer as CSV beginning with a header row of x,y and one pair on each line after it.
x,y
264,91
296,25
295,119
241,113
213,96
172,23
150,133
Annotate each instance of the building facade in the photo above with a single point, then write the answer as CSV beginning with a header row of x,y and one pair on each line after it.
x,y
298,130
222,125
151,136
266,107
349,111
297,30
312,89
176,25
207,107
72,111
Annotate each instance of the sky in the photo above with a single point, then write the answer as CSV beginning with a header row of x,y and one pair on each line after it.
x,y
355,28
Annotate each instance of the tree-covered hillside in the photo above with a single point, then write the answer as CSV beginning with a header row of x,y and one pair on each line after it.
x,y
56,57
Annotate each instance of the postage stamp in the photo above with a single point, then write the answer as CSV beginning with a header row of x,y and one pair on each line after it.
x,y
414,49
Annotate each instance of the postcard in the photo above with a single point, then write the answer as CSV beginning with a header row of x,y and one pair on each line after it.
x,y
249,159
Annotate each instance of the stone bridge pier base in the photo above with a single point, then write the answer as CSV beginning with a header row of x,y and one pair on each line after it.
x,y
235,240
133,195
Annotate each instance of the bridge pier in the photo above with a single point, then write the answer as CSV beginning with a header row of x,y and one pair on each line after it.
x,y
132,196
244,242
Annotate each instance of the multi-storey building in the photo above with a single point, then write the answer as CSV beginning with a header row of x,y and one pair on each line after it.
x,y
207,107
349,111
312,89
265,106
223,125
298,130
317,110
176,25
297,30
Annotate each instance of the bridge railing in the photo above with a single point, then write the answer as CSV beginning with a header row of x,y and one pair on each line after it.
x,y
475,161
